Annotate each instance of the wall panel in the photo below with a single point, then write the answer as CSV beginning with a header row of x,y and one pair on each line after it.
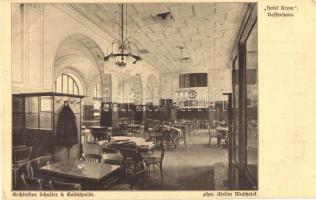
x,y
34,45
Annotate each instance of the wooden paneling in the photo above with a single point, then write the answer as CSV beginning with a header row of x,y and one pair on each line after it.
x,y
193,114
42,141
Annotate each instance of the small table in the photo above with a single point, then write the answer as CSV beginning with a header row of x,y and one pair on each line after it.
x,y
89,174
141,143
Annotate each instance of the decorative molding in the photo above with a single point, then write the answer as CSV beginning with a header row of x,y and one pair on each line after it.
x,y
20,29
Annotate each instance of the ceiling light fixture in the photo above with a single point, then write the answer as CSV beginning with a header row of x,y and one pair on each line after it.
x,y
123,49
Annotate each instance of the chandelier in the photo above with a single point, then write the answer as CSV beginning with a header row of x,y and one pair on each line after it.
x,y
121,50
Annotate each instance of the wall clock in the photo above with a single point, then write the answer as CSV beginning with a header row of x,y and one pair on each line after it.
x,y
192,94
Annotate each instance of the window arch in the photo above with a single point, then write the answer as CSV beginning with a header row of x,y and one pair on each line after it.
x,y
68,84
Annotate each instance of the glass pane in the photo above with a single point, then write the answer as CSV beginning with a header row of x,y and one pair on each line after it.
x,y
46,121
31,120
31,104
76,90
65,86
252,101
46,104
70,86
58,84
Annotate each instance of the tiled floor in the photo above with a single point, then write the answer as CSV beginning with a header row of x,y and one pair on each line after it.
x,y
191,168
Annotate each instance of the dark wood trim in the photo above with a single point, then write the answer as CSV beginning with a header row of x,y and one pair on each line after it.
x,y
48,94
239,167
249,19
242,105
230,137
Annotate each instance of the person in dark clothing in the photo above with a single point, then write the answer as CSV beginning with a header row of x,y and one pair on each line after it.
x,y
67,131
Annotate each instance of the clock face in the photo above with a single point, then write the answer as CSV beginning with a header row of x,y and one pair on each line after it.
x,y
192,94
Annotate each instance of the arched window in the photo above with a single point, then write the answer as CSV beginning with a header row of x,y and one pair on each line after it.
x,y
68,84
97,90
97,99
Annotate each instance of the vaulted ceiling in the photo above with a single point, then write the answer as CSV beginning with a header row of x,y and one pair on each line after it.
x,y
206,31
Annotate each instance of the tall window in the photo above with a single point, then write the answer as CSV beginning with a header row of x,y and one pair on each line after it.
x,y
68,84
97,99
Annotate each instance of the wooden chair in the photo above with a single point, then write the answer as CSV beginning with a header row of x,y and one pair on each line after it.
x,y
212,133
32,183
181,136
131,158
17,171
132,180
169,139
92,152
94,158
37,163
139,131
56,185
111,156
21,157
152,160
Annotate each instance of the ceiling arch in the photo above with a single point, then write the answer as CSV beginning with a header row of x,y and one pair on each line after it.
x,y
81,53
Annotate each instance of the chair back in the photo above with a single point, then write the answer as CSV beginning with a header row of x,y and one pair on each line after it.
x,y
91,148
131,159
140,172
32,183
112,158
107,150
130,154
37,163
56,185
94,158
21,155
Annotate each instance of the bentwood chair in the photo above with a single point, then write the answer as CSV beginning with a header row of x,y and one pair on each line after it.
x,y
132,180
111,156
131,158
139,131
169,139
56,185
92,158
212,134
35,164
92,152
180,136
32,183
21,157
153,161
